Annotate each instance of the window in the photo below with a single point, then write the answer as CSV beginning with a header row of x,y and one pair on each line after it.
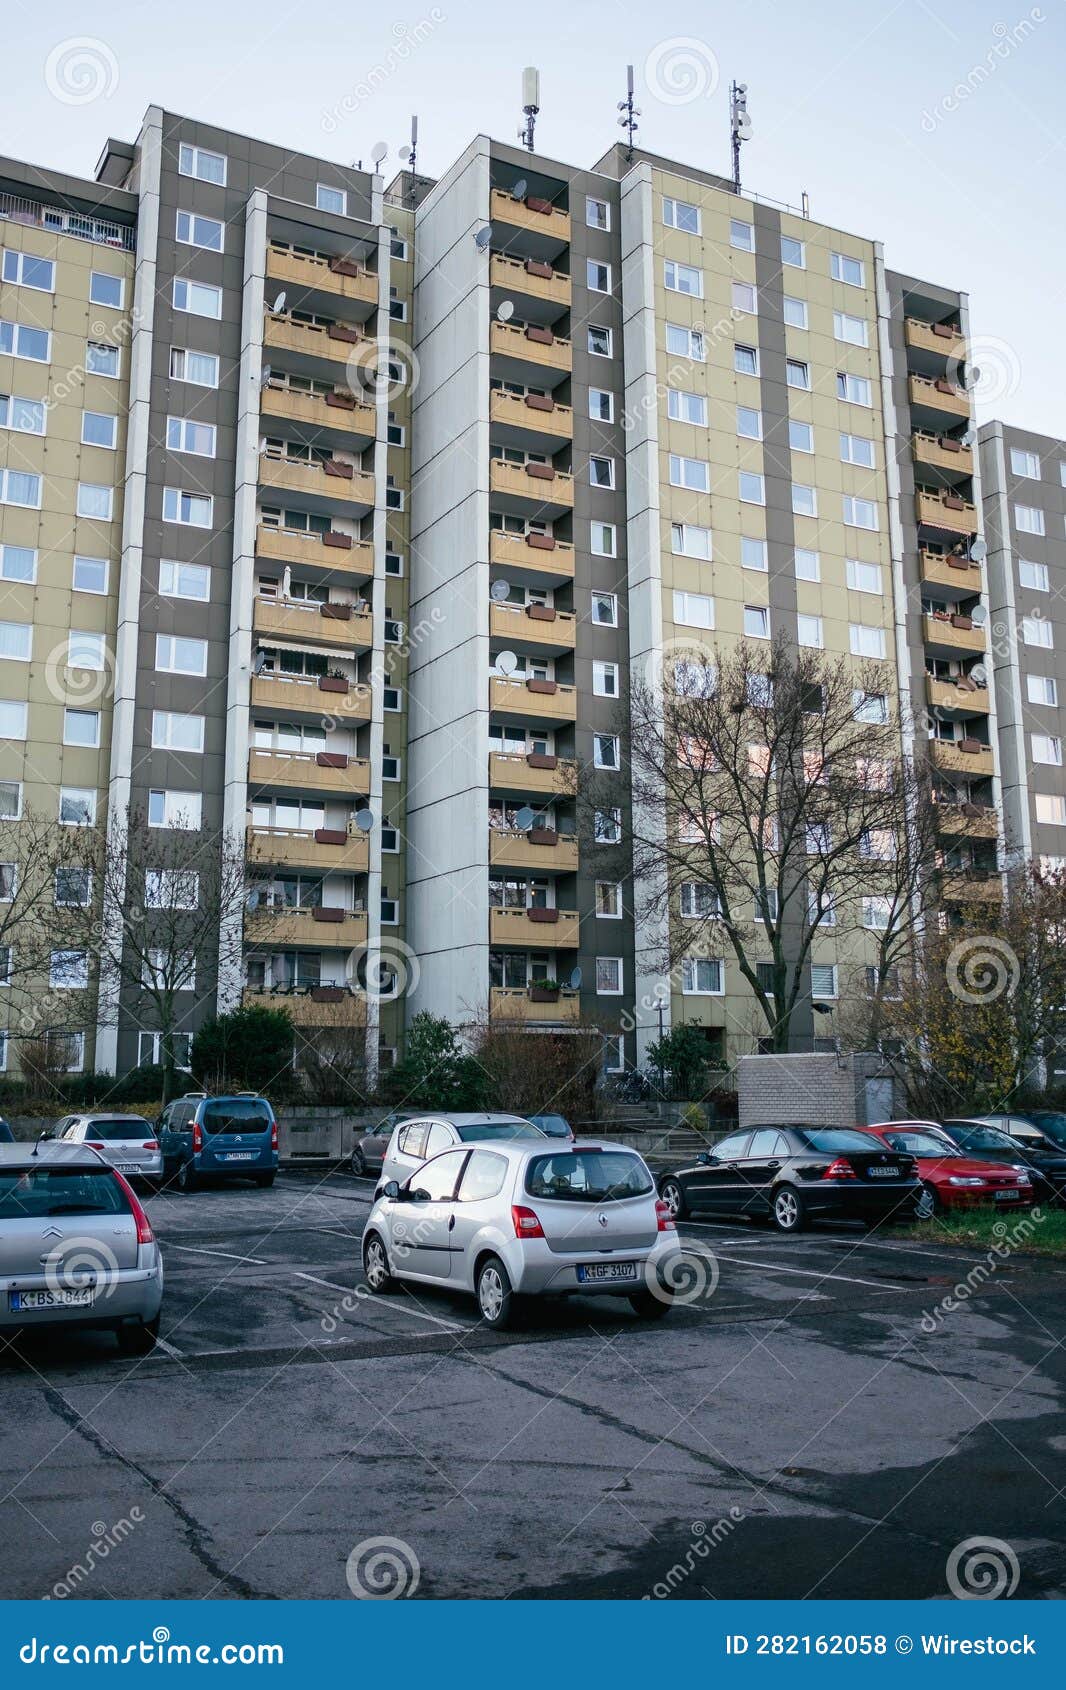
x,y
741,235
20,341
391,768
756,622
606,751
854,449
1025,463
77,806
746,360
95,501
614,1053
876,913
605,609
177,656
686,407
607,827
24,270
685,343
69,969
751,488
19,488
1046,749
860,513
870,707
688,540
331,199
10,790
683,278
18,563
698,901
850,270
185,581
601,472
597,276
22,416
602,539
171,888
175,969
809,631
794,312
692,473
390,912
749,423
90,574
597,213
1033,575
390,839
601,404
863,577
853,330
866,642
1028,519
701,977
16,641
1037,630
1050,808
207,166
168,807
183,435
878,844
693,610
599,341
85,650
197,298
808,565
801,437
193,510
743,298
391,698
605,680
193,230
172,731
99,430
73,887
608,976
608,900
679,214
804,500
823,980
13,721
81,727
1042,689
200,369
753,553
101,360
797,374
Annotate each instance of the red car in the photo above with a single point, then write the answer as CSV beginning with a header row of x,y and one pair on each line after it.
x,y
951,1179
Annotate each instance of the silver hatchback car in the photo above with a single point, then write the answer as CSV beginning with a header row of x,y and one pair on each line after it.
x,y
516,1219
419,1137
76,1247
127,1142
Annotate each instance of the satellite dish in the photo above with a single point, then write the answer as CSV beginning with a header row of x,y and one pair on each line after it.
x,y
972,377
405,153
979,550
574,982
279,303
505,310
979,674
499,591
260,662
364,820
979,615
520,189
968,437
252,900
506,663
742,127
524,819
483,237
267,372
378,151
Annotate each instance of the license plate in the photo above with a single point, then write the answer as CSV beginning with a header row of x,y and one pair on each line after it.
x,y
239,1155
1007,1196
884,1173
128,1167
588,1272
81,1298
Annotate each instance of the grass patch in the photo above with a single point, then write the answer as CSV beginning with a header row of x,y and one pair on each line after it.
x,y
1021,1232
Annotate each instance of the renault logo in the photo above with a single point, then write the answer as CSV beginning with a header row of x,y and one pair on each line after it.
x,y
602,1219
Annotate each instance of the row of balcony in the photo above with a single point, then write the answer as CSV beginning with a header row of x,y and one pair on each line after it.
x,y
332,553
333,773
317,1007
292,695
334,279
322,927
543,929
345,626
330,484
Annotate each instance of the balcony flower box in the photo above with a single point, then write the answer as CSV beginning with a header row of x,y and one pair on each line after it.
x,y
330,836
541,472
342,542
543,915
952,502
942,385
955,562
541,542
325,912
337,466
946,331
947,444
542,836
332,683
960,621
541,760
331,759
342,401
972,747
341,331
542,336
537,267
541,612
545,687
345,267
544,994
540,401
336,612
535,203
327,994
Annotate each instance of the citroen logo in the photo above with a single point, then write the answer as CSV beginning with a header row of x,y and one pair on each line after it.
x,y
602,1219
51,1232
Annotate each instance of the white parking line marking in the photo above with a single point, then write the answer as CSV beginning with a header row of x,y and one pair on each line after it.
x,y
349,1290
169,1349
253,1261
809,1273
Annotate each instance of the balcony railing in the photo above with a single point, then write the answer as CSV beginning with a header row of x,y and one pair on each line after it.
x,y
534,773
953,633
339,410
320,927
101,231
533,624
533,214
528,1003
341,625
542,484
333,850
539,554
295,695
531,277
946,511
530,345
337,552
312,1006
543,929
938,394
542,700
962,757
552,853
322,274
339,482
961,698
317,771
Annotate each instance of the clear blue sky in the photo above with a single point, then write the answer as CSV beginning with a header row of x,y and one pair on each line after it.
x,y
850,102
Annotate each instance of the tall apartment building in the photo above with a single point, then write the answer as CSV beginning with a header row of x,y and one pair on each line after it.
x,y
418,478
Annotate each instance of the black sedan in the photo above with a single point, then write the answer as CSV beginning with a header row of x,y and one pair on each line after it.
x,y
1045,1160
792,1175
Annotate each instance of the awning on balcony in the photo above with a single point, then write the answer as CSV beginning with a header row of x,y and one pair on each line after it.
x,y
300,648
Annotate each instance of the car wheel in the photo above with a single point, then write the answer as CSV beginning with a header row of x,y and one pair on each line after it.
x,y
138,1338
264,1181
186,1180
496,1301
650,1307
927,1204
672,1195
358,1163
379,1275
788,1209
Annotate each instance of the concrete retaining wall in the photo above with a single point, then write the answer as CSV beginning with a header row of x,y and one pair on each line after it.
x,y
826,1091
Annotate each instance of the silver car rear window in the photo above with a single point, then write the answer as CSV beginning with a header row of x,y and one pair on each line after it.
x,y
108,1130
32,1193
588,1176
498,1130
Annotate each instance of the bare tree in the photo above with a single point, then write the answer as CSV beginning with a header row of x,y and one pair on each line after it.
x,y
44,873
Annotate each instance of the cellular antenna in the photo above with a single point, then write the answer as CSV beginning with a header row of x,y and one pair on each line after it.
x,y
409,155
530,105
630,113
740,125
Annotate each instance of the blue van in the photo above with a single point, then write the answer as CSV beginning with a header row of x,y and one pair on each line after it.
x,y
204,1137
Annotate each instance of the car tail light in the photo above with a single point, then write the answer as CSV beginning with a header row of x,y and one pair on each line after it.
x,y
526,1222
145,1235
840,1169
93,1144
663,1216
150,1144
197,1136
273,1135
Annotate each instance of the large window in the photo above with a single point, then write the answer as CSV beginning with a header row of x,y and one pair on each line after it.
x,y
21,341
204,165
197,298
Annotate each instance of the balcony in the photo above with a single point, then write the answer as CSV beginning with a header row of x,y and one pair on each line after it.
x,y
937,396
533,626
971,886
318,348
957,699
340,625
317,928
529,354
291,696
330,850
536,557
952,634
313,1006
338,553
943,340
540,850
975,821
530,422
331,278
542,929
310,771
941,452
539,488
955,575
542,701
319,485
518,1003
540,290
947,512
337,417
962,757
534,774
532,226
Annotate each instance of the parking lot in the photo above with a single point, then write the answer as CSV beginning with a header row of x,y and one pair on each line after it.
x,y
813,1419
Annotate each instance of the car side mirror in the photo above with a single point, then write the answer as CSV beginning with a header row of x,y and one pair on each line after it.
x,y
391,1190
703,1158
418,1196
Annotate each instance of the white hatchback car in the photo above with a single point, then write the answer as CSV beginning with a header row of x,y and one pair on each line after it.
x,y
515,1219
419,1137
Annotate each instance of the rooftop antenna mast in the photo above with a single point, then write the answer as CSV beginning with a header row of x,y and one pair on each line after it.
x,y
409,155
530,105
740,125
630,113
